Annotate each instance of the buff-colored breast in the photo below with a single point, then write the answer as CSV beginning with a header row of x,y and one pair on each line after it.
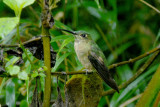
x,y
82,48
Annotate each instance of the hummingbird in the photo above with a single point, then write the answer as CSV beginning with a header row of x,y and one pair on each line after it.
x,y
91,56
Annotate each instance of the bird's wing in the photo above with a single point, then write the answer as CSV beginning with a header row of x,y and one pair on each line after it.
x,y
98,63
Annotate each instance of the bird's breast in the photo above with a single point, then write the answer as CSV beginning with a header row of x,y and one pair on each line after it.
x,y
82,50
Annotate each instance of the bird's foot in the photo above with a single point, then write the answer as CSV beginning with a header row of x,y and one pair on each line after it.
x,y
86,71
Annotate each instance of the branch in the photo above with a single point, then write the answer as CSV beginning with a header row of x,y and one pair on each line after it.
x,y
70,73
46,20
84,72
18,45
142,69
111,66
135,59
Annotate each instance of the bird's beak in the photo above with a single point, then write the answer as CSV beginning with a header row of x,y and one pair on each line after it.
x,y
72,32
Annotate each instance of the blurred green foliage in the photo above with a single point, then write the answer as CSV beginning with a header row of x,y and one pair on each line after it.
x,y
122,29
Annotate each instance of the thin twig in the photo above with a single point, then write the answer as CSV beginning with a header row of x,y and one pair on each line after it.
x,y
150,6
135,59
70,73
142,69
18,45
52,73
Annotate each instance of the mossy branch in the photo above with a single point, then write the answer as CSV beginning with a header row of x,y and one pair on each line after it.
x,y
47,54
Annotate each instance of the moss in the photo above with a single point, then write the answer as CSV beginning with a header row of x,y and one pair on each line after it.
x,y
84,90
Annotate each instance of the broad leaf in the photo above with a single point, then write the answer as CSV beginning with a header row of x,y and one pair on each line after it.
x,y
7,25
23,103
23,75
12,61
10,94
42,75
18,5
34,74
13,70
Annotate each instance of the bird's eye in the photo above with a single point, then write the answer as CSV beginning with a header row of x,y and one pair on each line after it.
x,y
83,35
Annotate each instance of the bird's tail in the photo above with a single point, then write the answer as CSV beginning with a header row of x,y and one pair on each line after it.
x,y
102,70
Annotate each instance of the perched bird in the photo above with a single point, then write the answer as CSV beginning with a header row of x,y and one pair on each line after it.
x,y
91,57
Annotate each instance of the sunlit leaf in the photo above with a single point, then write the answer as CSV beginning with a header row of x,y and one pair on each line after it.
x,y
12,61
97,1
7,25
23,75
10,94
34,74
18,5
42,74
13,70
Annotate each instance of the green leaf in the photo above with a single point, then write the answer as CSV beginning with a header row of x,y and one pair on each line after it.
x,y
42,74
10,94
18,5
119,51
13,70
35,74
59,61
23,103
58,24
7,25
62,37
65,42
27,88
12,61
97,1
131,86
157,39
23,75
2,84
151,91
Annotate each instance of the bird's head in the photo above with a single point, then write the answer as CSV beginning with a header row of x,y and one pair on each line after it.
x,y
79,35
